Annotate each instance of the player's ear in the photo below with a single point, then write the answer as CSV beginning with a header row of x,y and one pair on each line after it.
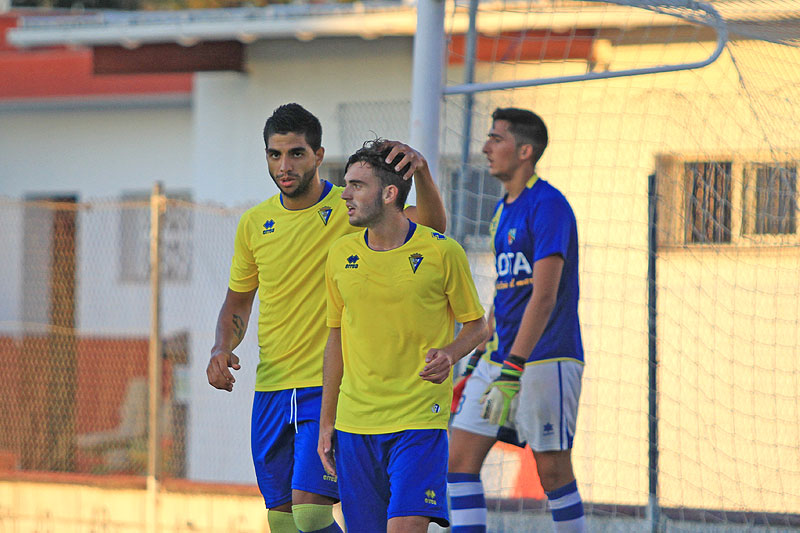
x,y
390,193
320,154
525,151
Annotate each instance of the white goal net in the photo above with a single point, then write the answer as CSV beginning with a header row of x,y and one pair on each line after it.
x,y
684,185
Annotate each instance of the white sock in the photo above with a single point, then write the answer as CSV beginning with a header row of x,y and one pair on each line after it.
x,y
567,509
467,503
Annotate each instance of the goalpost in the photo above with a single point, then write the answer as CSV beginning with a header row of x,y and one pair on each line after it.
x,y
674,134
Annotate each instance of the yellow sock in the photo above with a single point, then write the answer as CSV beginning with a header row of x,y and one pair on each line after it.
x,y
312,517
280,522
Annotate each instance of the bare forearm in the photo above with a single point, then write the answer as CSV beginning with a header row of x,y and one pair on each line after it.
x,y
232,320
546,278
430,209
532,325
231,327
471,335
332,370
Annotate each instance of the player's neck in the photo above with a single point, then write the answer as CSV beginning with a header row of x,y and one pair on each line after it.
x,y
307,199
518,182
390,232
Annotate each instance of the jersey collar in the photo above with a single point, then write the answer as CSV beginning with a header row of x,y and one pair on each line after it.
x,y
326,188
411,228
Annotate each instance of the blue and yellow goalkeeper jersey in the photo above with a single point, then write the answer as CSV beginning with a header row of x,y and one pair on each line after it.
x,y
538,224
282,253
392,307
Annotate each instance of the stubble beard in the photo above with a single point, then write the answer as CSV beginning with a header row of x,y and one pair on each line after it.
x,y
303,185
372,215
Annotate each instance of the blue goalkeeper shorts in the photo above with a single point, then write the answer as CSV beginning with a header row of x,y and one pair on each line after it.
x,y
389,475
283,439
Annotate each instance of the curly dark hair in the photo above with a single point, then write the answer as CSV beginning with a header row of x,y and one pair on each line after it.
x,y
374,154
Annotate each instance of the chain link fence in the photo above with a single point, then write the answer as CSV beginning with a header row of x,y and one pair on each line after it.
x,y
75,329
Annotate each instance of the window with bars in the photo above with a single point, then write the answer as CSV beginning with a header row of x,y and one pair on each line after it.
x,y
775,199
709,203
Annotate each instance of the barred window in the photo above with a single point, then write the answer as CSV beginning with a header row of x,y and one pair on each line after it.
x,y
776,199
709,201
472,195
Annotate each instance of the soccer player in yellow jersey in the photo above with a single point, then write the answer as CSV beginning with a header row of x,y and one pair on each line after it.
x,y
280,250
395,291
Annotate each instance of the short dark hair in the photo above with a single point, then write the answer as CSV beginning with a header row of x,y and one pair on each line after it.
x,y
526,126
294,118
374,154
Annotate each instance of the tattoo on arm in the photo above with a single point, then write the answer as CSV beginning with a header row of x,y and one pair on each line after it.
x,y
238,327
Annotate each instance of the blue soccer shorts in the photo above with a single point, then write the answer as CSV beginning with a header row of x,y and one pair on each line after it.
x,y
283,439
391,475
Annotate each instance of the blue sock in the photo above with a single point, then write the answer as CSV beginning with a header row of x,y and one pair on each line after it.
x,y
467,503
567,509
333,528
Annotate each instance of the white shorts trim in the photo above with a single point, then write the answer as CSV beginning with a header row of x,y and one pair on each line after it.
x,y
547,411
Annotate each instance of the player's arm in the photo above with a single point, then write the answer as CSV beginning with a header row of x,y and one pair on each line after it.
x,y
332,369
499,397
439,361
231,327
546,278
429,210
472,362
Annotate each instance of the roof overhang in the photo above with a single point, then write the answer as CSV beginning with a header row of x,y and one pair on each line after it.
x,y
306,22
376,19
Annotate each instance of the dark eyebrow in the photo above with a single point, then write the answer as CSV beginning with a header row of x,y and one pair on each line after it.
x,y
348,182
292,150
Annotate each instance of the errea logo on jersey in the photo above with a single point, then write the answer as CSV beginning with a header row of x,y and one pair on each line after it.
x,y
352,261
269,227
325,214
430,497
514,263
438,235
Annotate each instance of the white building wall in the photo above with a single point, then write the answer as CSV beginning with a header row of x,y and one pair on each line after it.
x,y
94,153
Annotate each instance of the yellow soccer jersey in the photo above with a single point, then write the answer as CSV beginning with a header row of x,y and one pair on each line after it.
x,y
392,307
282,252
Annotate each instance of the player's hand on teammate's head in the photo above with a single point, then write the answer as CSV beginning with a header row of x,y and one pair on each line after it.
x,y
217,371
410,158
437,367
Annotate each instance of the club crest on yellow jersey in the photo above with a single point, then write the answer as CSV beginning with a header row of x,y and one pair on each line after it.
x,y
325,214
415,260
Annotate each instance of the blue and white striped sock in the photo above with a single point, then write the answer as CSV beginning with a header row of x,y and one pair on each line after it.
x,y
567,509
467,504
